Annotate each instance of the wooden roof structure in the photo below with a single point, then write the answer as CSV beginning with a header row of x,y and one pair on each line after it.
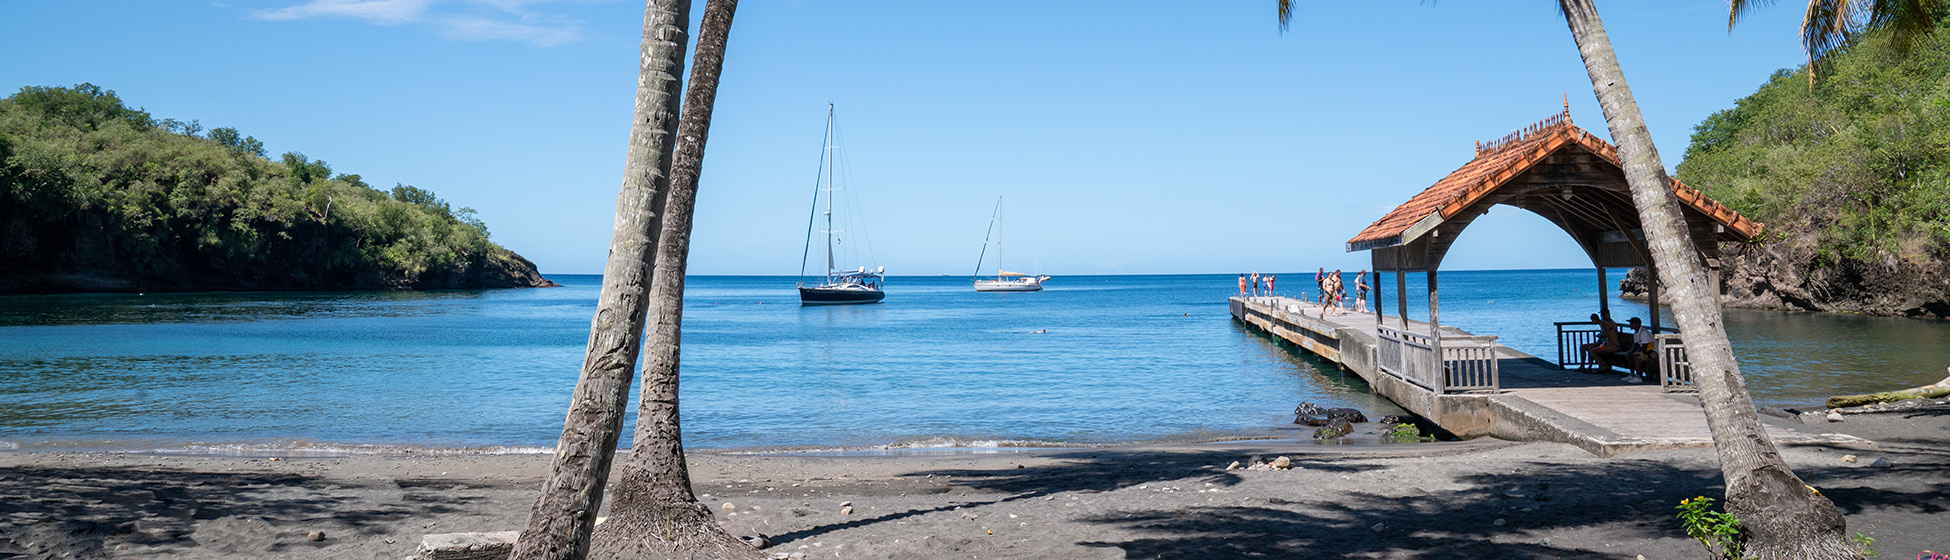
x,y
1558,171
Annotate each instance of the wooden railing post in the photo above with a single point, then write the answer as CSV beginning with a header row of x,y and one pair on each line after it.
x,y
1435,332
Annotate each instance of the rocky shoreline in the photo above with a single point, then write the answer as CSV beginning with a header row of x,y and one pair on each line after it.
x,y
1785,277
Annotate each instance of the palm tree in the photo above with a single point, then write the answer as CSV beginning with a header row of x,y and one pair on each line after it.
x,y
564,514
1828,24
1782,517
654,514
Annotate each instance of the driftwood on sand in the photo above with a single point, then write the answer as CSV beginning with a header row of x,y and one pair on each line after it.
x,y
1931,391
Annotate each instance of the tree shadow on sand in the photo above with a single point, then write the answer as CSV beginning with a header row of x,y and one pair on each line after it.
x,y
80,512
1625,498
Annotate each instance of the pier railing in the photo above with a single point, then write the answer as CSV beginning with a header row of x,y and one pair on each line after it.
x,y
1675,372
1468,363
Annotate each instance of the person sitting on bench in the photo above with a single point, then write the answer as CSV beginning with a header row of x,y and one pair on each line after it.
x,y
1641,350
1606,344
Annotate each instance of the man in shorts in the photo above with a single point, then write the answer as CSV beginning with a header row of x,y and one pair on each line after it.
x,y
1361,291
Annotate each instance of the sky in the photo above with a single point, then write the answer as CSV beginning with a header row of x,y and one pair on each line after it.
x,y
1129,137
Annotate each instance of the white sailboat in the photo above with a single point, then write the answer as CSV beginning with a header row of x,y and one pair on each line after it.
x,y
1004,280
837,286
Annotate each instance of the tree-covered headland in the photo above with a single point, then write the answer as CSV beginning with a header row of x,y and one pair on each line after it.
x,y
1851,176
98,196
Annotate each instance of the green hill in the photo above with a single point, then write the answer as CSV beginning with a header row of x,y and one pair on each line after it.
x,y
1852,178
96,196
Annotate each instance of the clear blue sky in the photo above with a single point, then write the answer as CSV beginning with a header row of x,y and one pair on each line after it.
x,y
1128,137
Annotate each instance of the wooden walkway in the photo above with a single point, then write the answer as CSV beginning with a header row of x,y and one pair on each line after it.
x,y
1603,414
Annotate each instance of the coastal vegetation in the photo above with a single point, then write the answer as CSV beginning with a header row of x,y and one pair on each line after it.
x,y
98,196
1851,175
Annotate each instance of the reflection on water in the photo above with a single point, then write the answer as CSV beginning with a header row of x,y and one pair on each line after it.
x,y
98,309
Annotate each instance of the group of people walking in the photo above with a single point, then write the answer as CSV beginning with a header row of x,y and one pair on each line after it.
x,y
1332,290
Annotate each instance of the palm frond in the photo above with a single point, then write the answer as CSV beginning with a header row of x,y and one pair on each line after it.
x,y
1286,14
1827,25
1908,20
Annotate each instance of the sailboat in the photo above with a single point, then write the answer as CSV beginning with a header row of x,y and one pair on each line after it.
x,y
836,287
1004,280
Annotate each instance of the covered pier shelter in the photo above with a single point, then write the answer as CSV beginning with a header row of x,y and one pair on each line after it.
x,y
1467,383
1566,175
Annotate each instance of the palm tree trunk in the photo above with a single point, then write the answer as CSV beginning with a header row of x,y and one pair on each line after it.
x,y
564,515
655,515
1783,517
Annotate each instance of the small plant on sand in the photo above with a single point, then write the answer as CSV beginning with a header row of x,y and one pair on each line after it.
x,y
1718,531
1864,541
1405,431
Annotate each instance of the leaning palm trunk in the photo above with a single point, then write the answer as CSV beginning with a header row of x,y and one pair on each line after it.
x,y
565,513
1783,517
654,514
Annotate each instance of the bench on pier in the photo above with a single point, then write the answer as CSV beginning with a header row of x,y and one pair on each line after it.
x,y
1668,354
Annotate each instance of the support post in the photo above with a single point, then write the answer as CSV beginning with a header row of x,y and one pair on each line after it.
x,y
1604,294
1435,338
1374,284
1652,293
1713,284
1401,294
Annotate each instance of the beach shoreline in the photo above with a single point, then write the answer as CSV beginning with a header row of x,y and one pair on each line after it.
x,y
1474,498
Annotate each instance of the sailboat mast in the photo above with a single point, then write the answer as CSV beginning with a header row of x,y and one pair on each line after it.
x,y
999,234
830,172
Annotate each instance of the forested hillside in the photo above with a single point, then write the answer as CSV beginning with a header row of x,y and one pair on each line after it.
x,y
97,196
1852,178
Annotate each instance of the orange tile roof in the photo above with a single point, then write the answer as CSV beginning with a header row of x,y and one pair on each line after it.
x,y
1500,161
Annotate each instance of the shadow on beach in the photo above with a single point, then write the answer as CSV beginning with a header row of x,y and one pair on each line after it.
x,y
86,512
1463,505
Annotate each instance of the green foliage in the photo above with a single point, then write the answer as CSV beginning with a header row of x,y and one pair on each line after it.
x,y
1864,542
1404,430
1859,164
160,191
1718,531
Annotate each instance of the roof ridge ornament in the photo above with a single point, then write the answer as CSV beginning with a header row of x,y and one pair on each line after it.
x,y
1552,123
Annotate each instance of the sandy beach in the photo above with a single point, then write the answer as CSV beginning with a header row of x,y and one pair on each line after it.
x,y
1475,499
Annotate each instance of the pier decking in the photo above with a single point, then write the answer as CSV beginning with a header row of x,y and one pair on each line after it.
x,y
1531,399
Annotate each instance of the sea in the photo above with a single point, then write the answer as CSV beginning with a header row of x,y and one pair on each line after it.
x,y
1090,360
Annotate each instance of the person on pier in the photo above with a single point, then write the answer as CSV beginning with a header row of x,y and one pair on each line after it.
x,y
1607,343
1641,351
1269,285
1242,284
1255,284
1361,291
1334,292
1320,283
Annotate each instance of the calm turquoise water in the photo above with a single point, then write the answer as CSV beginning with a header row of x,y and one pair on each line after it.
x,y
1125,358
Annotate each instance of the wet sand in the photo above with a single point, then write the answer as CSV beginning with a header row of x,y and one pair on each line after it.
x,y
1477,499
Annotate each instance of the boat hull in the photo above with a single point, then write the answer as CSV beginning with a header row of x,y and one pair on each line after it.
x,y
839,296
1007,287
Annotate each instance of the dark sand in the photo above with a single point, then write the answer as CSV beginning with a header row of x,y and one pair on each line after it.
x,y
1480,499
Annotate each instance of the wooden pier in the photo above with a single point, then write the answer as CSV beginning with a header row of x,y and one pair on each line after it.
x,y
1526,398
